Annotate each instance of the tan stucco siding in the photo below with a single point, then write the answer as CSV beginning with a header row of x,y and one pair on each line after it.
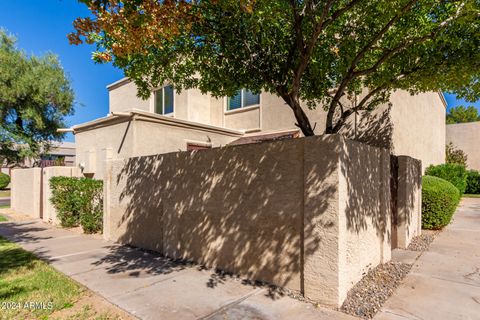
x,y
198,106
409,125
466,136
95,146
153,138
139,135
419,126
243,119
124,97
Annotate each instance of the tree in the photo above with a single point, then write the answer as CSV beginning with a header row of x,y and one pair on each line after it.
x,y
453,155
35,97
308,52
461,114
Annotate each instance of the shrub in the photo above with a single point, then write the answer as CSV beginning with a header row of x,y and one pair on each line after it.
x,y
454,173
4,180
439,201
473,182
78,201
91,205
454,155
65,200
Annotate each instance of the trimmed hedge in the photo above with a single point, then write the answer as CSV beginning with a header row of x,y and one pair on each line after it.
x,y
4,180
78,201
454,173
473,182
439,201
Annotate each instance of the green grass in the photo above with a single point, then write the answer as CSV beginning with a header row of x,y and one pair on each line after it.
x,y
3,219
4,193
471,195
26,279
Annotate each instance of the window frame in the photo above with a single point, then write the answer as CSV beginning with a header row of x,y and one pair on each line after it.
x,y
163,101
242,106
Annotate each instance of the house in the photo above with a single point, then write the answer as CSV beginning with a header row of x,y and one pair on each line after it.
x,y
170,121
465,136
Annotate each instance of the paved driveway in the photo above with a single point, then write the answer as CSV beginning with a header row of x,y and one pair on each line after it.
x,y
152,287
444,283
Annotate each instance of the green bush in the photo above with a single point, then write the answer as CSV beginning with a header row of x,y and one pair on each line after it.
x,y
454,173
4,180
473,182
78,201
439,201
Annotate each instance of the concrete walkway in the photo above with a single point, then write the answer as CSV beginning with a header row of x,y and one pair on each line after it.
x,y
444,283
151,287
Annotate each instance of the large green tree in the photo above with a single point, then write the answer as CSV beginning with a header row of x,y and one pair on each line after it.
x,y
461,114
321,52
35,97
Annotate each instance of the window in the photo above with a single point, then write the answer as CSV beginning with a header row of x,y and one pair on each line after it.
x,y
164,100
243,98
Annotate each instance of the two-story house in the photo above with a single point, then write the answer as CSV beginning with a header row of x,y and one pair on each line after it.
x,y
170,121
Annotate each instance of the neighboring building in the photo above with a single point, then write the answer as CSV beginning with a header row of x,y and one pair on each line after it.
x,y
60,154
466,136
171,121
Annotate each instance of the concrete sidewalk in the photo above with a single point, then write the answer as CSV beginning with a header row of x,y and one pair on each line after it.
x,y
152,287
444,283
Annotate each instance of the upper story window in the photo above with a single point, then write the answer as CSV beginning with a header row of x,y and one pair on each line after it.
x,y
164,100
242,99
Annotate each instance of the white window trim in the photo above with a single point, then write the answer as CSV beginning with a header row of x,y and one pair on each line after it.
x,y
241,109
153,99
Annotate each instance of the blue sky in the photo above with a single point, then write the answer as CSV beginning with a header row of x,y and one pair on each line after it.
x,y
42,25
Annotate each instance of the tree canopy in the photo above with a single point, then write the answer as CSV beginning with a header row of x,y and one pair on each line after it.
x,y
321,52
35,97
461,114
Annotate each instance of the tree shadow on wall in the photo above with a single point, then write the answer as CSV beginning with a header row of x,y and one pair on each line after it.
x,y
374,128
241,208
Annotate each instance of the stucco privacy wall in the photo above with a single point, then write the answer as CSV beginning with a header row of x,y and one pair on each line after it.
x,y
26,192
407,211
465,136
277,211
49,213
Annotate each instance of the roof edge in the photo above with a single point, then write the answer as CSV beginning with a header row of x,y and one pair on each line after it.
x,y
118,83
442,97
148,116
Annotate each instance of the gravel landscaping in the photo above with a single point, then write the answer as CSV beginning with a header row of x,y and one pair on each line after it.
x,y
368,295
422,242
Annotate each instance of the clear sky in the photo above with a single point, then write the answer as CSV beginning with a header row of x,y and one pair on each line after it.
x,y
42,25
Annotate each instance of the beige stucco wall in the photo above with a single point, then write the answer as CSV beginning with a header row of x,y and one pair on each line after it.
x,y
466,136
139,136
124,96
419,127
99,143
49,213
26,192
283,212
364,211
407,211
408,125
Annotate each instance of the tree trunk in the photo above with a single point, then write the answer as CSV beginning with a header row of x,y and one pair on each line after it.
x,y
302,120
